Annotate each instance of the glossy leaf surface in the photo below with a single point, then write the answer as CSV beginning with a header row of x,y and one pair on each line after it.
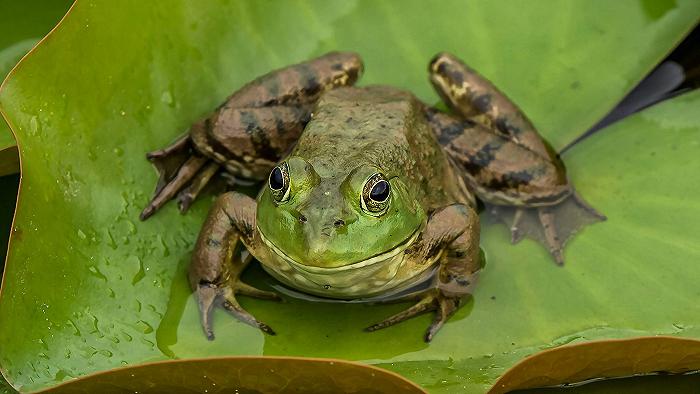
x,y
22,24
89,288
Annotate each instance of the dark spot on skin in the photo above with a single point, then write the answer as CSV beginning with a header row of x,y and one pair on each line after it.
x,y
213,242
309,79
441,68
482,103
511,180
493,297
302,219
312,86
486,154
449,133
206,283
272,85
455,76
348,120
326,287
459,254
280,126
339,223
462,282
258,137
504,125
352,73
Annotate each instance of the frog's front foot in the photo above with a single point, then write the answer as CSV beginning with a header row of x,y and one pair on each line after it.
x,y
224,294
428,300
551,225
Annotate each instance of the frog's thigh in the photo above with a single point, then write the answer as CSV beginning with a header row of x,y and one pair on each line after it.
x,y
469,94
523,189
301,83
248,142
498,170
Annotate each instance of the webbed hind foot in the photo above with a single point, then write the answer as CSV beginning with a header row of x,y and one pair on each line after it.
x,y
552,225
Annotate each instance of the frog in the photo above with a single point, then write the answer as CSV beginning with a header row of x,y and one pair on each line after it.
x,y
367,191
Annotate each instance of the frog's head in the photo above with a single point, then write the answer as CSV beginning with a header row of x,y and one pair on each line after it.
x,y
358,217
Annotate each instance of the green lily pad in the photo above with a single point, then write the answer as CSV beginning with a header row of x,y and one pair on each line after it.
x,y
90,288
22,24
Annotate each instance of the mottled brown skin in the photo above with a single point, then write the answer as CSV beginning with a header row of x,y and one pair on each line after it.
x,y
488,147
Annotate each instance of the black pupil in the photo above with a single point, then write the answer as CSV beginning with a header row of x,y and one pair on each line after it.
x,y
276,180
380,191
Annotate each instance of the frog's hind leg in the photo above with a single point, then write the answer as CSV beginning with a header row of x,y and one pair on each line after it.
x,y
472,96
526,191
509,165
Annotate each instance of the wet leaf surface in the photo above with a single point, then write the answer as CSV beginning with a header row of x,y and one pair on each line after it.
x,y
22,24
89,288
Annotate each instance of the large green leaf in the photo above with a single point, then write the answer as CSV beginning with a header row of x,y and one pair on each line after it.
x,y
89,288
22,24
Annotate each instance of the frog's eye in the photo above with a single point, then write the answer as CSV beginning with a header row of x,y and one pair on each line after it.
x,y
279,182
376,195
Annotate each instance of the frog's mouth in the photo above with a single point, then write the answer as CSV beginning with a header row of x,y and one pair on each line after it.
x,y
374,260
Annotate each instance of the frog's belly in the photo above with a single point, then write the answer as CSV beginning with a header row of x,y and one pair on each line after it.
x,y
391,271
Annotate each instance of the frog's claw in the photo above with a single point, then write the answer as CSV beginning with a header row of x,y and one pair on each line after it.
x,y
209,294
427,300
181,171
206,295
201,179
552,225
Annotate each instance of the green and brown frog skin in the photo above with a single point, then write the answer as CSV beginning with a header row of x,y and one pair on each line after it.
x,y
368,191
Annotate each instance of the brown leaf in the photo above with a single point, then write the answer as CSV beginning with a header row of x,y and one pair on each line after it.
x,y
606,359
244,375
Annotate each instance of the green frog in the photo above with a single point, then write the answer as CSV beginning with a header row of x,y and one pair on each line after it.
x,y
368,191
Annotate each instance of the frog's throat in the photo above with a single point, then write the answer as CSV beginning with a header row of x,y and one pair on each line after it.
x,y
377,259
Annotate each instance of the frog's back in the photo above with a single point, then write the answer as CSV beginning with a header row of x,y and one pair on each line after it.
x,y
384,127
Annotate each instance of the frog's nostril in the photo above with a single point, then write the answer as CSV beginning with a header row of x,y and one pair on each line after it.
x,y
339,223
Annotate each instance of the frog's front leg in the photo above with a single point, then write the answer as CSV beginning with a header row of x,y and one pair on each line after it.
x,y
507,163
453,234
217,265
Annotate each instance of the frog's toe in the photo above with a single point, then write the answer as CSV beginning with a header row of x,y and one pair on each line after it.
x,y
446,307
424,305
430,300
231,304
187,196
250,291
206,297
516,231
